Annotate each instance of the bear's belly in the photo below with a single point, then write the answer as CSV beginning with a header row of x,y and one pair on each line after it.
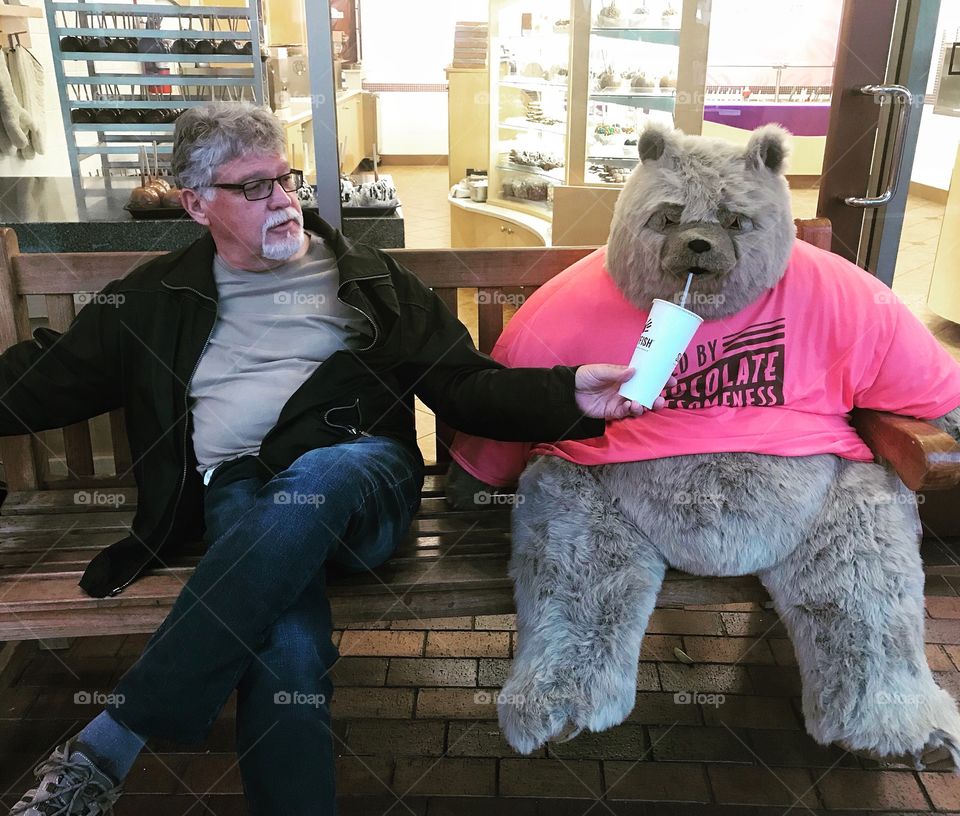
x,y
726,513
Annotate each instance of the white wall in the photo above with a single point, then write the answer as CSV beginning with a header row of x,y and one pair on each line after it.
x,y
412,43
413,124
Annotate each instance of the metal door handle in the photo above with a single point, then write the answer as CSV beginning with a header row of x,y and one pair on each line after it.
x,y
905,98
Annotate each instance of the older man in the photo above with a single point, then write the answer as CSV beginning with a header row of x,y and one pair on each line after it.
x,y
268,376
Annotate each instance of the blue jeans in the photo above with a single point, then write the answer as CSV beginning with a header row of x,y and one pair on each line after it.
x,y
254,615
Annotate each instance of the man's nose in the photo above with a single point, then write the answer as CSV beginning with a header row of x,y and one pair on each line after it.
x,y
279,198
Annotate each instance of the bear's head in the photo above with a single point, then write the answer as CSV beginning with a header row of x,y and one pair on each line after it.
x,y
705,206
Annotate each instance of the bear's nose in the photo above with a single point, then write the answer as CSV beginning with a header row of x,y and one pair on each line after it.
x,y
699,245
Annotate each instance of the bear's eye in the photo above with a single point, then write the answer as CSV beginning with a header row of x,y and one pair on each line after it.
x,y
737,222
662,219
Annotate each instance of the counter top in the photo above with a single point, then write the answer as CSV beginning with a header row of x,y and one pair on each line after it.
x,y
53,215
539,226
300,110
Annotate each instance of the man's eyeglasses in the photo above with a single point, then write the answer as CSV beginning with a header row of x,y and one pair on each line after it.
x,y
259,189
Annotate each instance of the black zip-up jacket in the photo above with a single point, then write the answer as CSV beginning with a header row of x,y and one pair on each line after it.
x,y
137,344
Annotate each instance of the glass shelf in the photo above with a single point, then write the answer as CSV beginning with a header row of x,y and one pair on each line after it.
x,y
650,101
661,36
615,161
556,175
558,129
533,84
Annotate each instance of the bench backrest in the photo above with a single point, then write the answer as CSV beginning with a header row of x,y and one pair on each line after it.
x,y
484,285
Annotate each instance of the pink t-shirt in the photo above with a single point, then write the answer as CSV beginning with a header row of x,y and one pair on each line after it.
x,y
779,377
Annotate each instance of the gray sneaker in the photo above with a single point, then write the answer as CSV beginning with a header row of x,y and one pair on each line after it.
x,y
70,785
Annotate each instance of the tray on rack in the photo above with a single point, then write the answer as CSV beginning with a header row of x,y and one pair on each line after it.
x,y
360,212
155,213
369,212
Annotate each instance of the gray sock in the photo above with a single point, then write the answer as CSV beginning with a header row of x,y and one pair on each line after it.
x,y
110,745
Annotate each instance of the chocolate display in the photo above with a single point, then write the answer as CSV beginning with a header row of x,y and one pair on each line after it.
x,y
530,158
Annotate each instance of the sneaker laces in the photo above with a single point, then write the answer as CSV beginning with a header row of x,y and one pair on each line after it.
x,y
76,785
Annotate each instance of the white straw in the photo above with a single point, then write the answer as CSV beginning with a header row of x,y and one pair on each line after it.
x,y
686,289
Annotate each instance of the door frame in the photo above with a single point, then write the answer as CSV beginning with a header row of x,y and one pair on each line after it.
x,y
880,42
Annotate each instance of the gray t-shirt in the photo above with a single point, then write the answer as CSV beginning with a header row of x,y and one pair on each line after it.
x,y
273,330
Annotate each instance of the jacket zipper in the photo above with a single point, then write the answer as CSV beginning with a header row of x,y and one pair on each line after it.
x,y
356,404
186,406
352,429
376,333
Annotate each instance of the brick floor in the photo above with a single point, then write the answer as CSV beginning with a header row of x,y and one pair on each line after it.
x,y
416,731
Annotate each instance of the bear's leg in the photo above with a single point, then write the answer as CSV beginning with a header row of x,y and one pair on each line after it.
x,y
585,583
851,596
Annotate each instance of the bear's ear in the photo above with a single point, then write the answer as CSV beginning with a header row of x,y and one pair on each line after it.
x,y
768,148
654,142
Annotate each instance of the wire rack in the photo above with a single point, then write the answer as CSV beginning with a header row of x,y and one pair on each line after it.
x,y
125,72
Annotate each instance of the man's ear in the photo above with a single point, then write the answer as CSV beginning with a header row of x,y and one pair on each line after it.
x,y
195,205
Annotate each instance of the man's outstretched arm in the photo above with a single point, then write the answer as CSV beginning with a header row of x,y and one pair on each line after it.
x,y
55,379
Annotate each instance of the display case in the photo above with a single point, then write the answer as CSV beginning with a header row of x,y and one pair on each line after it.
x,y
573,82
125,72
530,45
634,54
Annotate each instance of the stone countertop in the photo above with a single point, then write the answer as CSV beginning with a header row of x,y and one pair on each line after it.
x,y
52,215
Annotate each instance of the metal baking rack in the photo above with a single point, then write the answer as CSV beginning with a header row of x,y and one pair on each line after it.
x,y
125,71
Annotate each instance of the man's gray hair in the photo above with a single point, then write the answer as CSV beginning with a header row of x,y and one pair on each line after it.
x,y
209,136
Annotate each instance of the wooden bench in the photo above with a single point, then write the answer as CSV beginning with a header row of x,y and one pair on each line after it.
x,y
450,563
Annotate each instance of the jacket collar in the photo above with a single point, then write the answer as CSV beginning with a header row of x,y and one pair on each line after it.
x,y
192,266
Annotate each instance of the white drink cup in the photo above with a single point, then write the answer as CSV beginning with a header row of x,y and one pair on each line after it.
x,y
668,332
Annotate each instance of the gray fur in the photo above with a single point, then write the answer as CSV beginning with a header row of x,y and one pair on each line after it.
x,y
949,423
834,541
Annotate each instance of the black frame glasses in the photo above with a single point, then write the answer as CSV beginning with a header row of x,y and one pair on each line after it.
x,y
253,190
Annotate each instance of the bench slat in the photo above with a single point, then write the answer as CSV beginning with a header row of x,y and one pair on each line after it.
x,y
76,438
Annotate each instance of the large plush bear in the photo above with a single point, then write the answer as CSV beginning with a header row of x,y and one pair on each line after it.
x,y
752,466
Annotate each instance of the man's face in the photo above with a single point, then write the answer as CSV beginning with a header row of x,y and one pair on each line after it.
x,y
252,234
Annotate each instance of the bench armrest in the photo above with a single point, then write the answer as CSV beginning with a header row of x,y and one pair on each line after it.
x,y
923,456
